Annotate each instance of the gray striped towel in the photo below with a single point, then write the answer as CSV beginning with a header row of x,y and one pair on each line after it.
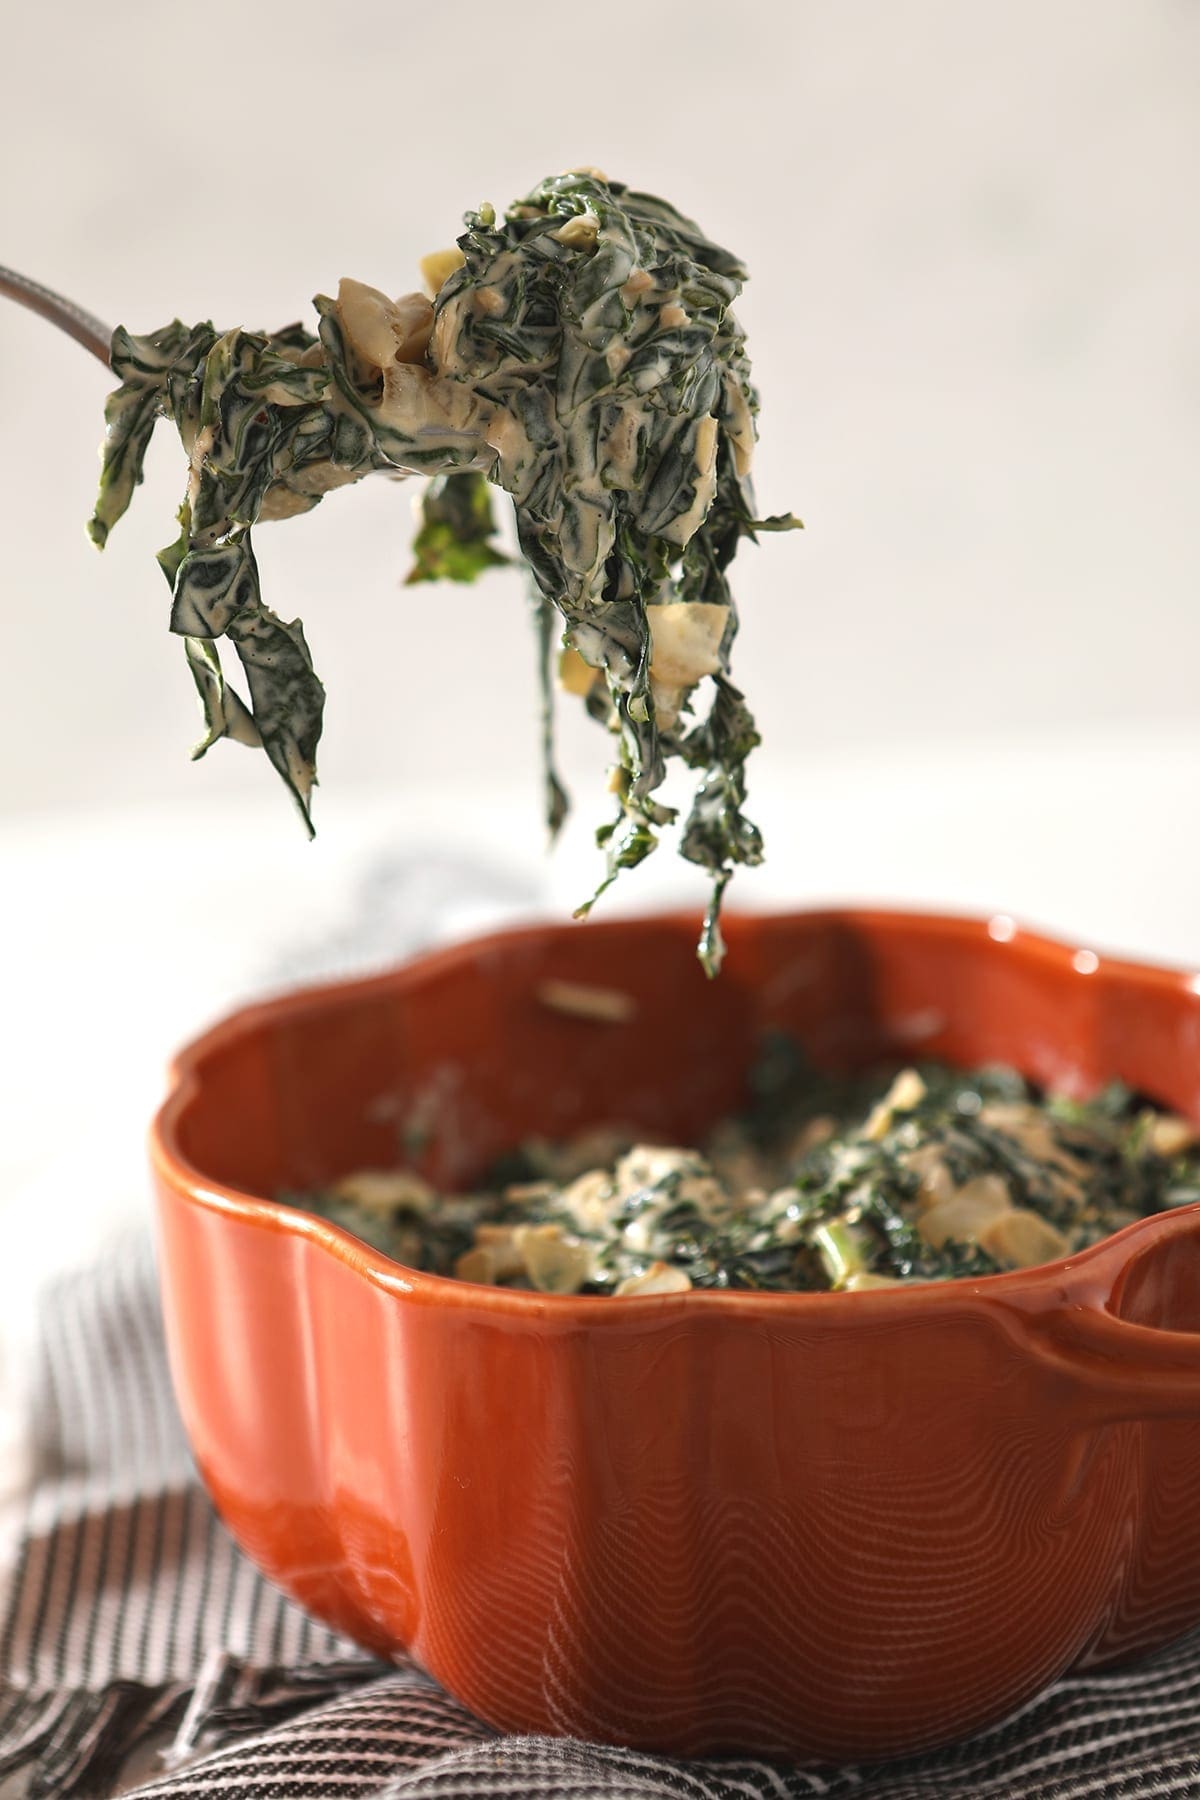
x,y
138,1645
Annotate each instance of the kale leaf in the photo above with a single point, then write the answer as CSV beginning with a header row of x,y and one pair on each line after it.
x,y
582,356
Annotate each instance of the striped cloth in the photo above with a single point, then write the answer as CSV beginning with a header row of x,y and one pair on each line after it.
x,y
138,1646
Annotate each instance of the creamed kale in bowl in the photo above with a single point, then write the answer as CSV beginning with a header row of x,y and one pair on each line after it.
x,y
919,1174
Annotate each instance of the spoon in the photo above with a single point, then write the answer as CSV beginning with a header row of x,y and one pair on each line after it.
x,y
72,319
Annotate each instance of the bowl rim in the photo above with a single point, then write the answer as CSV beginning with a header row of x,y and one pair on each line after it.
x,y
1087,1276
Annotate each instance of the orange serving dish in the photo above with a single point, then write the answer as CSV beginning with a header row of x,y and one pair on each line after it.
x,y
820,1525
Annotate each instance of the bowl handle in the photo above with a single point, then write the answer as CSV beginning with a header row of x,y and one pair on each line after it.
x,y
1129,1370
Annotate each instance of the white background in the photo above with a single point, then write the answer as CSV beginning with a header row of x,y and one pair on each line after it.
x,y
974,238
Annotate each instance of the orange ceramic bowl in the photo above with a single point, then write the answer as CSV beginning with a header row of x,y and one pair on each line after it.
x,y
820,1525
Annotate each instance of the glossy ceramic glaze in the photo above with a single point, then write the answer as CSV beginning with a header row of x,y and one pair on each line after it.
x,y
821,1525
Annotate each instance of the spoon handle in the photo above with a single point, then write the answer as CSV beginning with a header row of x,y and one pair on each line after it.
x,y
72,319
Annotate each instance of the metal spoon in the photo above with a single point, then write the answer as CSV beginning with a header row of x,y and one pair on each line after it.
x,y
72,319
